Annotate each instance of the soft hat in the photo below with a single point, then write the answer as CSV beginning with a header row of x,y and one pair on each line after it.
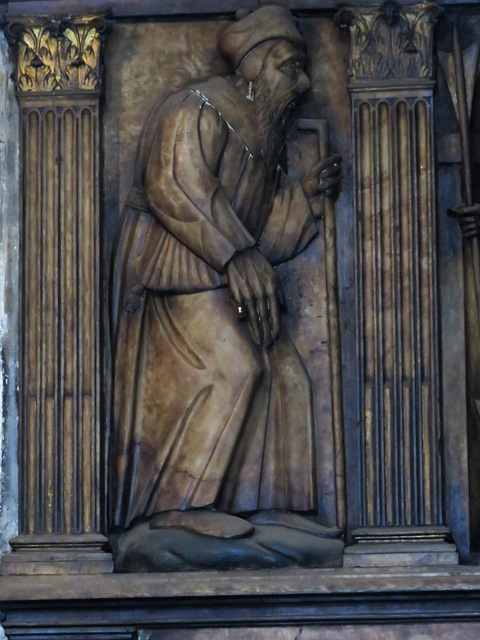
x,y
260,26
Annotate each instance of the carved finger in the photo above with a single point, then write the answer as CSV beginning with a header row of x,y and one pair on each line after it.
x,y
332,185
254,277
465,211
331,161
329,172
336,158
274,309
234,288
264,315
254,322
467,221
469,230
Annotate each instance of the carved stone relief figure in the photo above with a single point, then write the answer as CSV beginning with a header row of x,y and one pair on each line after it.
x,y
213,447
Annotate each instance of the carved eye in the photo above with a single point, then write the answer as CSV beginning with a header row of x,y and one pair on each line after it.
x,y
291,67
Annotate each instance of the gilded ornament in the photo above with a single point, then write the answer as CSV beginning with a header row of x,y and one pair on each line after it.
x,y
57,55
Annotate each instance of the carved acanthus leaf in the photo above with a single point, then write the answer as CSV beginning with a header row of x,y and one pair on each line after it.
x,y
57,55
392,42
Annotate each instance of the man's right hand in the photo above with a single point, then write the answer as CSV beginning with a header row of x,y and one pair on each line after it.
x,y
257,294
324,178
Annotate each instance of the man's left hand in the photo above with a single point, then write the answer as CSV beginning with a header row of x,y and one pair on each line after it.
x,y
324,178
257,293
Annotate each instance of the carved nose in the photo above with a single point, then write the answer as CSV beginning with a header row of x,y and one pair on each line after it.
x,y
304,83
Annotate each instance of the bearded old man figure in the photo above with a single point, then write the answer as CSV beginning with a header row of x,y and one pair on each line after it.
x,y
212,406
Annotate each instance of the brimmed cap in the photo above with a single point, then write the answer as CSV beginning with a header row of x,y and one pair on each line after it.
x,y
263,25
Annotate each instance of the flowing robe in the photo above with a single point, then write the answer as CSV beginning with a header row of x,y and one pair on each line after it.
x,y
202,416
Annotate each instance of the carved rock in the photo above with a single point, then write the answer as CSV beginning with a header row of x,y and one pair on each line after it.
x,y
145,550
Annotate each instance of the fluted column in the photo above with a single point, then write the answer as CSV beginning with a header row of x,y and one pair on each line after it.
x,y
401,519
61,441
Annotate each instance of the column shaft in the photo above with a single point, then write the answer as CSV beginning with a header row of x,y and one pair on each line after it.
x,y
397,311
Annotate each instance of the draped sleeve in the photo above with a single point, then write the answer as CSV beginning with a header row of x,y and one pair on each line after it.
x,y
290,226
181,185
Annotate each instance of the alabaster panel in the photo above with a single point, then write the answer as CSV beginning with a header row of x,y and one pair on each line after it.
x,y
146,62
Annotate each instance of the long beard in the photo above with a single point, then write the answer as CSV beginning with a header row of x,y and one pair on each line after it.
x,y
274,120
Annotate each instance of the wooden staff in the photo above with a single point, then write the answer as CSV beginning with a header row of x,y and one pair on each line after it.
x,y
461,90
320,127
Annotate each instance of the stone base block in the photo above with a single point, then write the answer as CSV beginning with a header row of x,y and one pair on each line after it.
x,y
400,555
57,554
401,547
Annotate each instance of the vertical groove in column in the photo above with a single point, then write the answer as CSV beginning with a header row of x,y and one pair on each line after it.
x,y
437,475
367,209
99,447
32,327
396,279
69,309
23,395
405,306
360,351
415,468
387,303
40,453
377,317
60,408
426,226
49,304
87,310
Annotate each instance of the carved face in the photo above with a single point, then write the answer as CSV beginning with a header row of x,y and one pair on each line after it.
x,y
282,78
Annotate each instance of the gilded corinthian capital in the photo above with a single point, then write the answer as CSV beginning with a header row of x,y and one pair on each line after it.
x,y
60,55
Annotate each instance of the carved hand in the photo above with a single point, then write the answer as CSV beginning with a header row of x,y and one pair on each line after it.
x,y
257,293
324,178
468,217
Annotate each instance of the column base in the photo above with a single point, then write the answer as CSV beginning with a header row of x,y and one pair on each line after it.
x,y
401,547
57,554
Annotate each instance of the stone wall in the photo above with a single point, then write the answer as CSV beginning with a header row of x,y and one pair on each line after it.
x,y
8,300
